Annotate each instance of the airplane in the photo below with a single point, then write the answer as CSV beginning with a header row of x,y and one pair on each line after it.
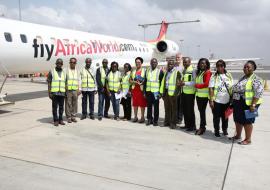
x,y
30,48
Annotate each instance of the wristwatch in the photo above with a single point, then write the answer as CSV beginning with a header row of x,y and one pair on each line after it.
x,y
253,105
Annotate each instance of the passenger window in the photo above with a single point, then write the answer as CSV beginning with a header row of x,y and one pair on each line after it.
x,y
8,37
23,38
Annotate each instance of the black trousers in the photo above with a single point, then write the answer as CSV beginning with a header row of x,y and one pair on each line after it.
x,y
58,101
188,101
179,108
126,103
202,104
152,102
219,113
91,96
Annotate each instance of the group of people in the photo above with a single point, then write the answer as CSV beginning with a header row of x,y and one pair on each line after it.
x,y
179,84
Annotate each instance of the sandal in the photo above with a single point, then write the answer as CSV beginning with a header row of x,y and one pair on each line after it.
x,y
244,142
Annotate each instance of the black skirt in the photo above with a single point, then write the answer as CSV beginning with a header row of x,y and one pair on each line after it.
x,y
239,107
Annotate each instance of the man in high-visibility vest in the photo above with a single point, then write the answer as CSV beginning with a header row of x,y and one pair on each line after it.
x,y
169,90
88,88
153,79
188,94
57,89
179,67
101,75
72,91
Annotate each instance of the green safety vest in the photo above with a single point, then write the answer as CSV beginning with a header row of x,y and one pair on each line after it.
x,y
133,75
114,81
216,85
103,75
152,83
125,81
58,84
187,77
171,83
203,92
249,93
87,80
72,80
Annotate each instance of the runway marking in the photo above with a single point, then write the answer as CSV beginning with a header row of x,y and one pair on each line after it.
x,y
80,172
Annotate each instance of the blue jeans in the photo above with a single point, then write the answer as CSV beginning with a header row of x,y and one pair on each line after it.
x,y
101,98
91,96
115,104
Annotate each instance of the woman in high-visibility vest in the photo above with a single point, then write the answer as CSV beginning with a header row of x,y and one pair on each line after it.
x,y
126,87
220,90
247,97
137,82
113,87
203,75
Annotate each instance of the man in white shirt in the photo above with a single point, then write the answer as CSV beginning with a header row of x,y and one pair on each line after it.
x,y
179,67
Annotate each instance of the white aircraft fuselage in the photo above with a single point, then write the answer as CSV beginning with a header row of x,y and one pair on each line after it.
x,y
30,48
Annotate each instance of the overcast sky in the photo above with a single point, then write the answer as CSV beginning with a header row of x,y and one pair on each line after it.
x,y
229,29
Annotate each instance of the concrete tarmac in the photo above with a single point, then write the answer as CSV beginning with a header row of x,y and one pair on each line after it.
x,y
119,155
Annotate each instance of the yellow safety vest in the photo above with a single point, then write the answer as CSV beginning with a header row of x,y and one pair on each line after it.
x,y
87,80
249,93
171,83
187,77
72,79
125,81
133,75
216,85
203,92
152,83
114,81
58,84
102,75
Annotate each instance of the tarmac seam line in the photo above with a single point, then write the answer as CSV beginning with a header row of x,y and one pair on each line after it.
x,y
227,166
80,172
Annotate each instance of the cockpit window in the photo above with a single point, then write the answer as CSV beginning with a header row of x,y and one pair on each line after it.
x,y
23,38
8,37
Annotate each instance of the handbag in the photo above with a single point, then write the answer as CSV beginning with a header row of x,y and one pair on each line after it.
x,y
229,109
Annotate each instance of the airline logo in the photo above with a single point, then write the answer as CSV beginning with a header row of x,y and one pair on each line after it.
x,y
91,47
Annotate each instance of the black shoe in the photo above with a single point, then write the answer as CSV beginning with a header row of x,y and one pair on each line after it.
x,y
83,117
99,118
200,131
116,118
135,120
217,135
149,122
106,116
92,117
166,125
155,124
173,126
225,132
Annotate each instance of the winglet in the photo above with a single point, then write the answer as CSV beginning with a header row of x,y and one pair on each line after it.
x,y
162,32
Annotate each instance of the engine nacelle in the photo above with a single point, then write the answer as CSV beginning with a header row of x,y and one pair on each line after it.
x,y
167,48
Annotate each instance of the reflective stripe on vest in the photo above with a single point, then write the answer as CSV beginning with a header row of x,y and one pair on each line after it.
x,y
72,79
216,85
187,77
58,84
114,81
125,81
171,83
103,75
152,83
249,93
203,92
133,75
87,80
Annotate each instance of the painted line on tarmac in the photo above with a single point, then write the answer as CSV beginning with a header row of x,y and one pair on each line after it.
x,y
80,172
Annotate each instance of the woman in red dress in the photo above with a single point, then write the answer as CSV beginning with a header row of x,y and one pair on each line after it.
x,y
137,81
